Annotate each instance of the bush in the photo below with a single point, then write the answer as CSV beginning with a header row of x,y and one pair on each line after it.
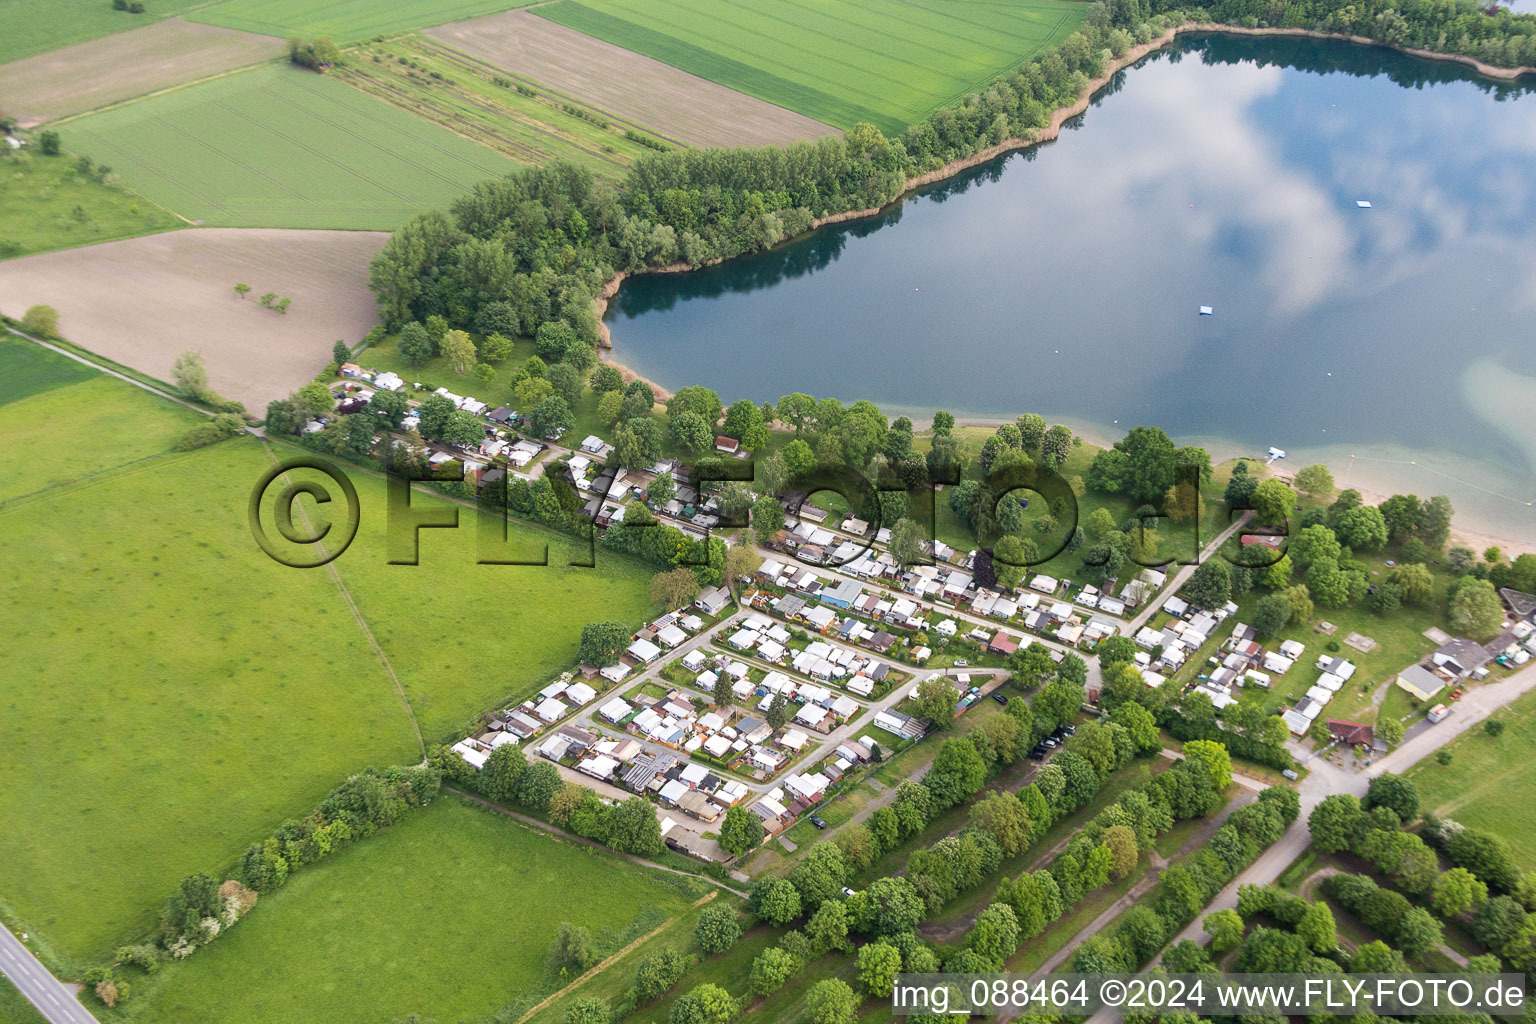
x,y
718,928
221,427
41,321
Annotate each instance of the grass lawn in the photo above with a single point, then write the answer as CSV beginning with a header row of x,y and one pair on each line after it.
x,y
171,693
442,86
449,914
135,424
37,26
888,62
1489,784
278,146
27,369
46,204
345,21
464,637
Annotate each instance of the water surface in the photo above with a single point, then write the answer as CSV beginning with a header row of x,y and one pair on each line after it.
x,y
1224,172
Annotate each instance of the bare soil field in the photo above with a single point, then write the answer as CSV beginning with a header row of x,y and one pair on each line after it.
x,y
103,71
143,301
684,107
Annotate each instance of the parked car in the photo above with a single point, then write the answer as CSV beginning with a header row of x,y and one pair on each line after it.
x,y
818,823
1037,754
962,663
998,696
1288,773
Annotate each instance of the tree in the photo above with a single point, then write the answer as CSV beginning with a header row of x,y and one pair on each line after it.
x,y
1457,891
1317,928
774,900
832,1002
995,935
41,321
692,433
1476,610
462,428
778,711
1494,727
718,927
572,948
704,1004
879,963
935,701
1271,615
828,928
1414,582
1394,792
1122,850
1498,922
1390,730
767,517
1337,823
551,415
1313,544
602,642
1214,757
741,831
906,542
1363,528
634,828
1272,502
673,589
1315,481
770,970
1210,586
1002,815
958,771
1225,929
500,776
588,1010
820,876
191,376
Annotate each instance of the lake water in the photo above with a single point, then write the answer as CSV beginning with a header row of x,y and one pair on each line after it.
x,y
1067,280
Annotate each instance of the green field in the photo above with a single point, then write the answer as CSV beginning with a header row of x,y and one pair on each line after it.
x,y
1489,784
139,424
449,915
170,692
278,146
346,21
37,26
889,62
46,204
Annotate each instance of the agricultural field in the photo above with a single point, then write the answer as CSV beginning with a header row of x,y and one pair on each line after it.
x,y
1489,784
171,692
474,101
49,202
571,67
144,301
36,26
448,914
345,21
139,425
888,62
157,56
279,146
27,370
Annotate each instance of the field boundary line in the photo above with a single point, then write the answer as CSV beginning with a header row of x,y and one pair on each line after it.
x,y
362,623
608,961
109,371
168,89
170,456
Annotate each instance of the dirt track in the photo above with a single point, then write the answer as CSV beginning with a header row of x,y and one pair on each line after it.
x,y
118,67
145,300
681,106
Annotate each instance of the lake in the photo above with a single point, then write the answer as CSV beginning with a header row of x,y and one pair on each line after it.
x,y
1223,172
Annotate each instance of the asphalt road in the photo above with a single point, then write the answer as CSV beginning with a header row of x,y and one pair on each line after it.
x,y
54,1000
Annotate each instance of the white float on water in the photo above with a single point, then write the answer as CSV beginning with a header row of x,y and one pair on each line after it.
x,y
1364,204
1206,311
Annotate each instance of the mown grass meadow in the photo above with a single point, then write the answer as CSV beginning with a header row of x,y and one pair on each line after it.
x,y
345,21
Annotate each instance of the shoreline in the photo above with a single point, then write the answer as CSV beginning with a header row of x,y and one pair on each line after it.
x,y
1477,538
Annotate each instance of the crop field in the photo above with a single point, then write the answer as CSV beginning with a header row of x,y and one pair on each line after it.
x,y
125,65
35,26
448,915
461,94
1489,784
346,21
282,147
888,62
138,425
27,369
170,692
144,301
573,67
